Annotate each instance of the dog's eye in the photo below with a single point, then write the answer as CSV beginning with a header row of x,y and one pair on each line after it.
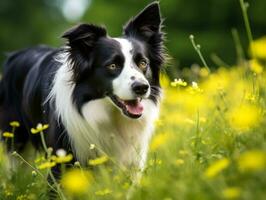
x,y
112,66
143,65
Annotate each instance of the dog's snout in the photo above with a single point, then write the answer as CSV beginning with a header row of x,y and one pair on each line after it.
x,y
140,88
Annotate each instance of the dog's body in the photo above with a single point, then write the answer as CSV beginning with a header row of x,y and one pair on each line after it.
x,y
97,90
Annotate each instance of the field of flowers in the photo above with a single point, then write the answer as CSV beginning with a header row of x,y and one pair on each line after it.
x,y
209,144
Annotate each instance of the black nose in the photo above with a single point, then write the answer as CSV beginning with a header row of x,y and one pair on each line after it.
x,y
140,88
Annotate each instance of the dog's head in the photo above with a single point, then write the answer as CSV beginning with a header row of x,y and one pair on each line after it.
x,y
125,69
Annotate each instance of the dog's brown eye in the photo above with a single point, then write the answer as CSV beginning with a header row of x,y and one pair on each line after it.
x,y
143,65
112,66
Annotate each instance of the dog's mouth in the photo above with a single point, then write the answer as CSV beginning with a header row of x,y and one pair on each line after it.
x,y
131,108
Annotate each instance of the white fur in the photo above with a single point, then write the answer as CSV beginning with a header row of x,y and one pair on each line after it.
x,y
122,84
124,139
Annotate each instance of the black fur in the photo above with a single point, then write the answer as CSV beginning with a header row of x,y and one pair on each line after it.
x,y
28,75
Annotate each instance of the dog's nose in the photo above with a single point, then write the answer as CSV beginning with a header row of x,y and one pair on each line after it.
x,y
140,88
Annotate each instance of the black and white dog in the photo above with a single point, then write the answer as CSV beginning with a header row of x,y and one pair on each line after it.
x,y
95,90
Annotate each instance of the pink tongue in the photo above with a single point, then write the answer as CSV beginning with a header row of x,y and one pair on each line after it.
x,y
135,109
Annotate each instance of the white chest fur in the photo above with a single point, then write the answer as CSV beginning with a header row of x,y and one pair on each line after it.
x,y
103,125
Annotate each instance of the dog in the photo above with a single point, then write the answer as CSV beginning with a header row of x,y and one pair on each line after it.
x,y
95,90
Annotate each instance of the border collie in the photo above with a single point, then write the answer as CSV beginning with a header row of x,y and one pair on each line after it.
x,y
95,90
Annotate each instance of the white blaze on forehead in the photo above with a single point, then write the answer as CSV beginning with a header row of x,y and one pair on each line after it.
x,y
127,50
122,84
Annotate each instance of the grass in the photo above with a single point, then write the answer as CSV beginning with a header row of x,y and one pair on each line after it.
x,y
209,143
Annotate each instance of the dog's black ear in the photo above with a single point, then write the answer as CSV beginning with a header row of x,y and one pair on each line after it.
x,y
146,23
81,40
84,34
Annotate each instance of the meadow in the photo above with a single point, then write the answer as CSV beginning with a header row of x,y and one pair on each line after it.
x,y
209,143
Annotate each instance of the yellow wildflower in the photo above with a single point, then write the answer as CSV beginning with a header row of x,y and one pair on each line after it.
x,y
61,156
103,192
47,165
195,88
178,82
158,141
40,127
258,48
231,192
153,162
256,67
216,167
98,161
76,181
8,135
252,160
244,117
164,80
179,162
62,159
14,124
158,123
250,97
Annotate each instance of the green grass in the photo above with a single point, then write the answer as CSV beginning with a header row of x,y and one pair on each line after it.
x,y
196,129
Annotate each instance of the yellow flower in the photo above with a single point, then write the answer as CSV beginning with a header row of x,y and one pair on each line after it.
x,y
258,48
178,82
76,181
62,159
216,167
158,123
153,162
40,127
61,156
103,192
256,67
194,88
250,97
244,117
98,161
252,160
231,192
158,141
8,135
47,165
14,124
164,80
179,162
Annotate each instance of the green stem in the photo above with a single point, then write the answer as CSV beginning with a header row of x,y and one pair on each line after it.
x,y
43,142
239,48
35,169
218,61
247,24
197,49
59,191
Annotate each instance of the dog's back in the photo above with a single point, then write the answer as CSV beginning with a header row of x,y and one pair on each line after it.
x,y
15,71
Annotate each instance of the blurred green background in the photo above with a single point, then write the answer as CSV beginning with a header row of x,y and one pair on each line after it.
x,y
27,23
